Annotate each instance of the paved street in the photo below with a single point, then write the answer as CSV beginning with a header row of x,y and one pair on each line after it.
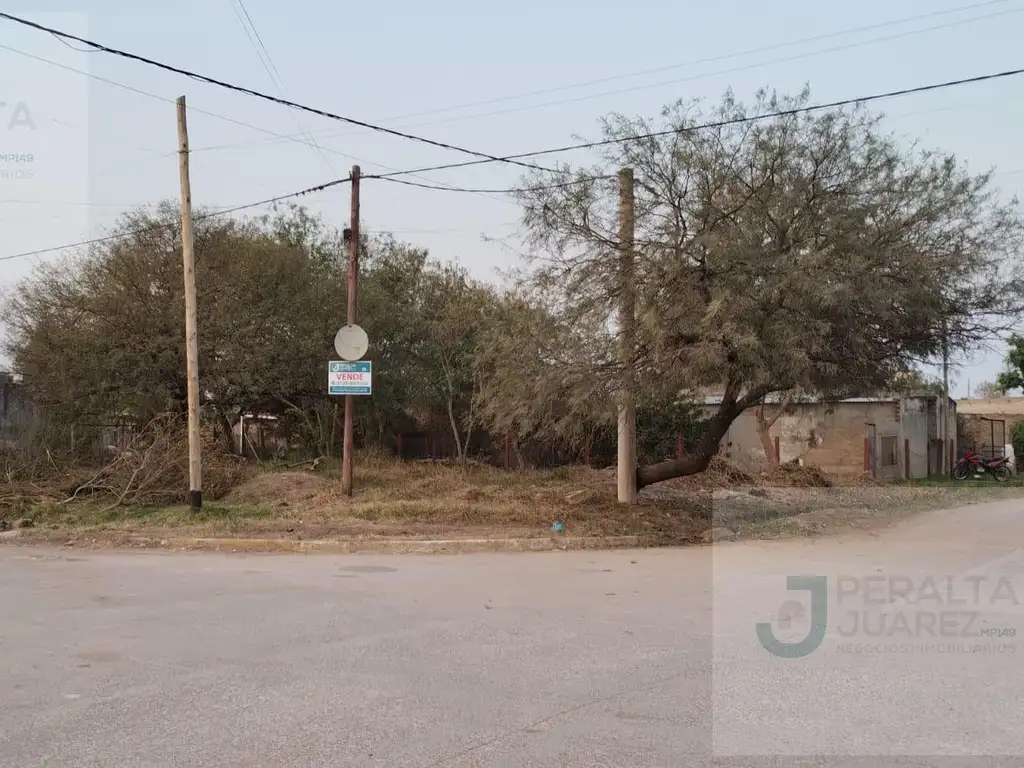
x,y
583,660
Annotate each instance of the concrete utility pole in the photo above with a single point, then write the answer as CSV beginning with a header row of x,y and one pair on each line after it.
x,y
195,466
627,341
348,446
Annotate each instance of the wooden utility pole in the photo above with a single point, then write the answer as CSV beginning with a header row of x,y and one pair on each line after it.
x,y
945,454
348,447
627,342
195,465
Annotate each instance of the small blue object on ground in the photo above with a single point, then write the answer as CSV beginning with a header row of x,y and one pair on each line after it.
x,y
558,527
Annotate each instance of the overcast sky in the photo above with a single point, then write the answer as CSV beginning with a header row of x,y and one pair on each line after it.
x,y
499,78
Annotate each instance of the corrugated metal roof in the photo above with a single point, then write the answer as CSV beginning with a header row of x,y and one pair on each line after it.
x,y
776,398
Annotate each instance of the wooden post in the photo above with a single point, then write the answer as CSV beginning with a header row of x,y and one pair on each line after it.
x,y
627,342
778,451
906,457
348,445
195,469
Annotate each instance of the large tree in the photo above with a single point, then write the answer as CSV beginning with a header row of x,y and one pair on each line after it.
x,y
807,251
101,335
1012,375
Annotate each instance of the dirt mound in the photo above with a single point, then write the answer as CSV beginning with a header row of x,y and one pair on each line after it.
x,y
796,476
279,488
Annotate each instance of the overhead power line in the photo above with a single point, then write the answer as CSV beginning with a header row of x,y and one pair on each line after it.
x,y
506,191
249,27
703,75
330,132
206,112
701,61
855,101
394,176
266,96
158,227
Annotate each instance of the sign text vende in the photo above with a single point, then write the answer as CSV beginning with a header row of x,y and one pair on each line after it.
x,y
345,378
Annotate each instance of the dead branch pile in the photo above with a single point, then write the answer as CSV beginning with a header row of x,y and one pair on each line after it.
x,y
719,474
151,469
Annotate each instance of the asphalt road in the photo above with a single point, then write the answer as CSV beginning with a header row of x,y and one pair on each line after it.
x,y
582,660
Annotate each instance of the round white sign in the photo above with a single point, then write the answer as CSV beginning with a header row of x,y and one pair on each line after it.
x,y
351,342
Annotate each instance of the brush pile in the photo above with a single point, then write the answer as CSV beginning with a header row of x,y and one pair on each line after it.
x,y
152,468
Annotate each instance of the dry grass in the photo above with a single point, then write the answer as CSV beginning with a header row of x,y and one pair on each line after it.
x,y
414,499
436,499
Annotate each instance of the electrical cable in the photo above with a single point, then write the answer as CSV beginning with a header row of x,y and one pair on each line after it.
x,y
593,144
507,191
249,27
698,62
167,100
328,132
200,217
266,96
724,123
691,78
206,112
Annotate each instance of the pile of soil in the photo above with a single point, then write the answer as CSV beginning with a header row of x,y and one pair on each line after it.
x,y
796,476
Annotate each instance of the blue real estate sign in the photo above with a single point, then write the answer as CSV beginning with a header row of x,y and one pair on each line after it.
x,y
349,378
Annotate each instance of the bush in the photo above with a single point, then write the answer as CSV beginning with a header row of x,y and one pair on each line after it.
x,y
1017,439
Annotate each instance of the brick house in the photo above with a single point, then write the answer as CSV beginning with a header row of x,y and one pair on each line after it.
x,y
891,437
986,424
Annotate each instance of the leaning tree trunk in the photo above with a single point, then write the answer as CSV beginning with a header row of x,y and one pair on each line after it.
x,y
697,460
459,450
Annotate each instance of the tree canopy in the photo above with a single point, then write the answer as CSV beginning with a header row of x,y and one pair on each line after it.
x,y
102,334
778,252
808,251
1012,376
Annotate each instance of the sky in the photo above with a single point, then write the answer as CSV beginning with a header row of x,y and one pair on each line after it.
x,y
497,78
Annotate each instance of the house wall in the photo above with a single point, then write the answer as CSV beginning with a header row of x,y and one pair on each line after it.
x,y
976,432
832,436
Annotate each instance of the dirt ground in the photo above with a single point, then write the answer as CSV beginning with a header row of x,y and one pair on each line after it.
x,y
428,500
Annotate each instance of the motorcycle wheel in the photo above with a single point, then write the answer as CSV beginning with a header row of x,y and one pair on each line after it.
x,y
960,471
1002,474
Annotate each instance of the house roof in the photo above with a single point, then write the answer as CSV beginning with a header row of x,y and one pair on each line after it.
x,y
814,399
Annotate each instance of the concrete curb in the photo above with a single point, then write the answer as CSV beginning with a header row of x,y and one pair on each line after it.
x,y
395,546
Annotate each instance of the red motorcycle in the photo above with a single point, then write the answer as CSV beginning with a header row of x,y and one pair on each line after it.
x,y
973,464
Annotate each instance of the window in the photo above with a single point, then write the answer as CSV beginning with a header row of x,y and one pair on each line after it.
x,y
890,457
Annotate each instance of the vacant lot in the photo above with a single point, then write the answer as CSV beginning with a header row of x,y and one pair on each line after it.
x,y
422,500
